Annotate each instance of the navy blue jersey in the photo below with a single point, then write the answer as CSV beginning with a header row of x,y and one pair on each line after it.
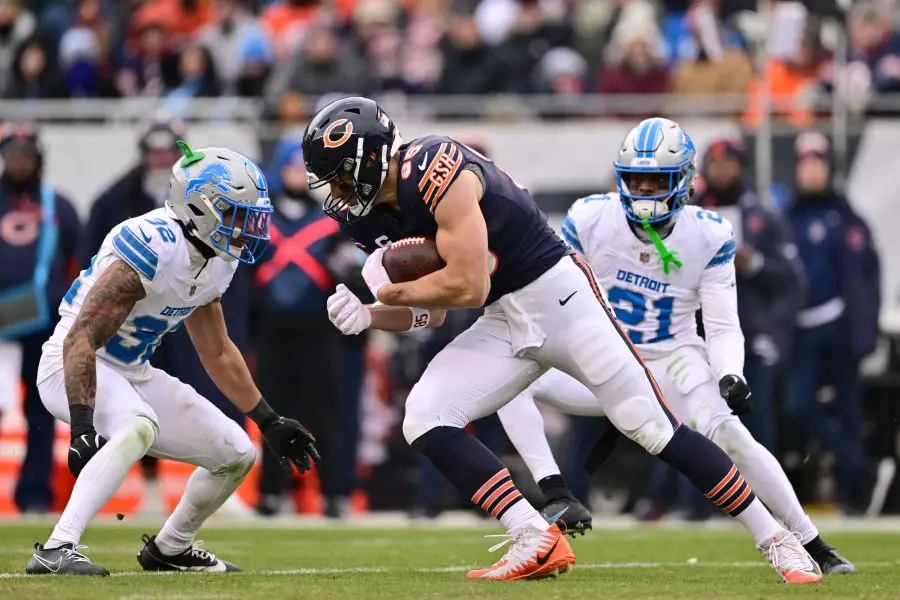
x,y
521,242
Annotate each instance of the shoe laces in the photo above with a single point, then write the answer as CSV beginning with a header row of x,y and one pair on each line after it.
x,y
73,553
198,551
784,554
518,541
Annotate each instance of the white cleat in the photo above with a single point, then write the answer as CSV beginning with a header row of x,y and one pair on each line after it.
x,y
791,560
534,554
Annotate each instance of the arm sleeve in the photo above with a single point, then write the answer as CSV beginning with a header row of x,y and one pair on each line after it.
x,y
718,301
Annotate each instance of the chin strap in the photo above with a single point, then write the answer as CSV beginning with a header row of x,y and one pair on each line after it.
x,y
668,256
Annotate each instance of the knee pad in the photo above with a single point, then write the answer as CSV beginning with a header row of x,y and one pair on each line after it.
x,y
733,437
241,460
140,430
641,420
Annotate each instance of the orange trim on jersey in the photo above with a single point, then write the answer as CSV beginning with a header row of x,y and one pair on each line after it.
x,y
722,483
441,190
430,169
596,289
488,485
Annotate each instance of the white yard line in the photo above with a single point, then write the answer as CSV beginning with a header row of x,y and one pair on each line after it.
x,y
456,569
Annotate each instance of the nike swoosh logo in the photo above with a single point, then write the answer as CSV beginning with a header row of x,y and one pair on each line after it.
x,y
542,560
53,566
569,297
556,517
146,237
424,162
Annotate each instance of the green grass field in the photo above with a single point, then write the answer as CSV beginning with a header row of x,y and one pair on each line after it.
x,y
287,563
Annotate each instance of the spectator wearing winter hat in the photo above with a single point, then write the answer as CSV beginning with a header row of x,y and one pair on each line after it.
x,y
81,60
234,38
873,59
635,62
838,324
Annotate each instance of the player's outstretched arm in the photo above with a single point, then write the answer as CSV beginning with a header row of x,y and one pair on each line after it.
x,y
225,364
102,313
462,242
220,357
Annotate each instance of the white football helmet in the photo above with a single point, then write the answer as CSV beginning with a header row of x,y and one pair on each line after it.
x,y
656,146
223,199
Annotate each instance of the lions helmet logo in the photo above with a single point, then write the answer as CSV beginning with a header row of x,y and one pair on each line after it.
x,y
331,142
215,174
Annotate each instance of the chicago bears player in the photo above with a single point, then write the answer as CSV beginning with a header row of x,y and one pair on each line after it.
x,y
543,308
151,274
660,262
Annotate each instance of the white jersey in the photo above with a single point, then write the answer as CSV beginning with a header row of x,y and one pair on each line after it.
x,y
656,309
177,279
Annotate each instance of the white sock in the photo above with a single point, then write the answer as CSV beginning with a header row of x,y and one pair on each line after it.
x,y
766,477
760,523
101,477
204,494
525,427
521,514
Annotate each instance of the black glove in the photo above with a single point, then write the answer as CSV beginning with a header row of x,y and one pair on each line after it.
x,y
85,442
736,393
288,440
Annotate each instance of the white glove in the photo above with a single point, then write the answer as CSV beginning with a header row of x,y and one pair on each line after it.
x,y
373,272
346,312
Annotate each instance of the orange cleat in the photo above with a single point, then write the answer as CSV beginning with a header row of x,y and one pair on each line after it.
x,y
791,560
534,554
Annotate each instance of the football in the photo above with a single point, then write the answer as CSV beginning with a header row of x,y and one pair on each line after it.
x,y
411,258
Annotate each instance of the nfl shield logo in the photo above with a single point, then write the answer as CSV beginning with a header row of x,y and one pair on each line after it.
x,y
645,257
193,289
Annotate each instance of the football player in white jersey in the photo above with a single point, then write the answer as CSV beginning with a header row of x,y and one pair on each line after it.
x,y
151,274
659,262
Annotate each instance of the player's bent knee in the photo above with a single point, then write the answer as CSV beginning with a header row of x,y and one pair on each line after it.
x,y
140,430
241,457
642,421
415,424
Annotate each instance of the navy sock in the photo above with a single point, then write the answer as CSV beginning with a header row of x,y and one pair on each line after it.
x,y
470,467
709,469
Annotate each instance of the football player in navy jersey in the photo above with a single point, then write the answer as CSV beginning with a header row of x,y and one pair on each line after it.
x,y
543,309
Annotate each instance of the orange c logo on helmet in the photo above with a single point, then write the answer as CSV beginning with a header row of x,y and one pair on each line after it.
x,y
335,143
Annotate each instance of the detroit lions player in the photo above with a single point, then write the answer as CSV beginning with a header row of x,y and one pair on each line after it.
x,y
151,274
660,261
543,308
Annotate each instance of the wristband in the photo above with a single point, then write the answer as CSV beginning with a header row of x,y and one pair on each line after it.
x,y
421,317
262,415
81,420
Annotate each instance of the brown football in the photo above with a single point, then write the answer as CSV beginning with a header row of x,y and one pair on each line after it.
x,y
411,258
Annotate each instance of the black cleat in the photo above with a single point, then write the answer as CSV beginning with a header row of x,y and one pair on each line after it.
x,y
833,563
575,517
65,560
194,559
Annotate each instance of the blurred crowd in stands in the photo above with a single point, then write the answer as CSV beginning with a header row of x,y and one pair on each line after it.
x,y
289,53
